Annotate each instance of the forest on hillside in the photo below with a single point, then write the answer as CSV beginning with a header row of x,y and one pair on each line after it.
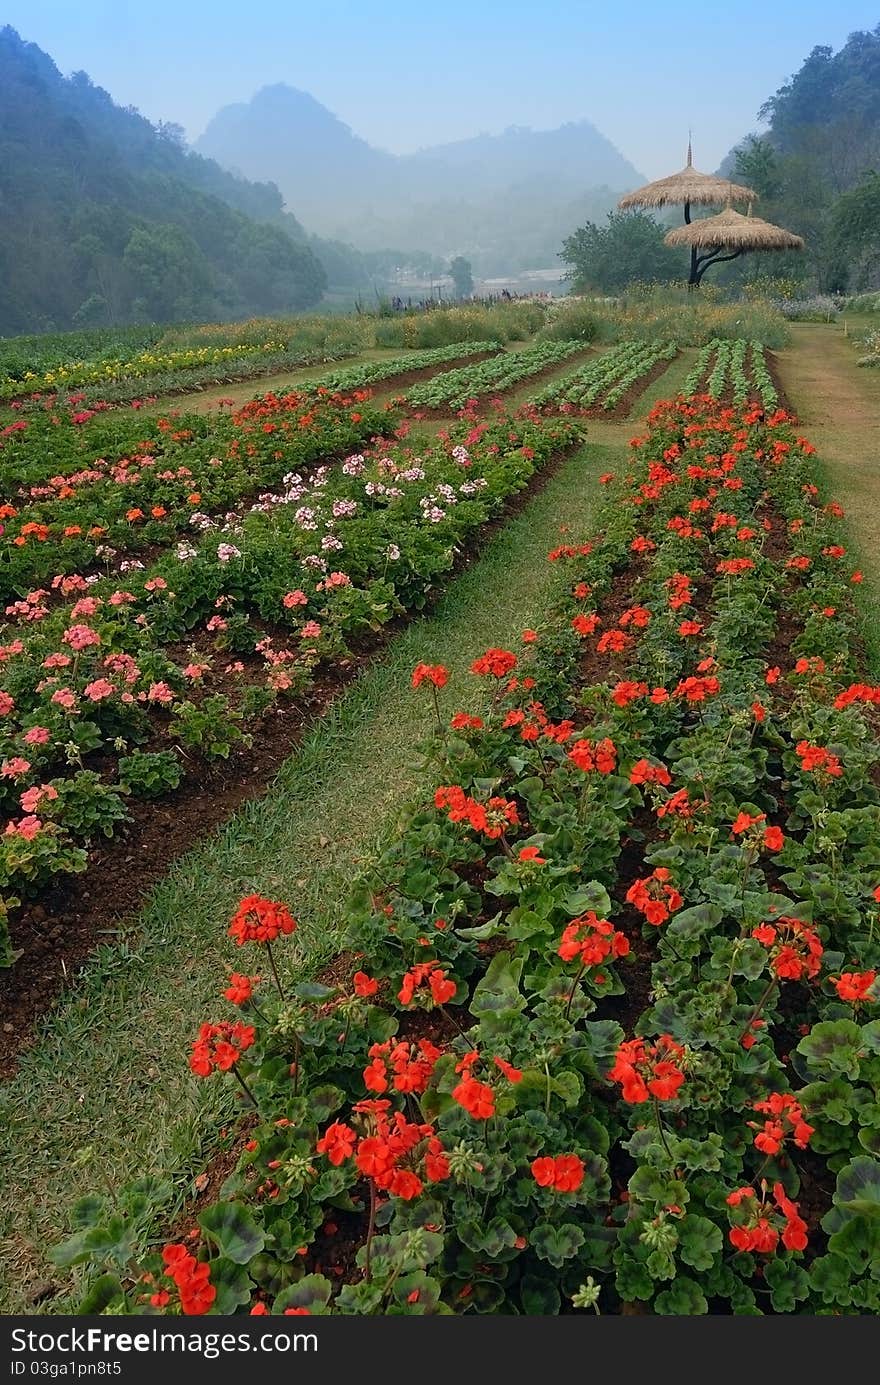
x,y
106,218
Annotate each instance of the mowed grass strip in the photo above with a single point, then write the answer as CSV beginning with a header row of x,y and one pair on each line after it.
x,y
105,1096
838,405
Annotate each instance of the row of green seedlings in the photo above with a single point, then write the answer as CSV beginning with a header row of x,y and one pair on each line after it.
x,y
454,388
604,382
738,368
364,376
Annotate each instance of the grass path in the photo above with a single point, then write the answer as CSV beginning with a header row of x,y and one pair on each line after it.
x,y
838,404
108,1073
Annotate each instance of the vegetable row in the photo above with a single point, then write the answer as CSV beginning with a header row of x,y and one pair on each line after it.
x,y
455,388
604,382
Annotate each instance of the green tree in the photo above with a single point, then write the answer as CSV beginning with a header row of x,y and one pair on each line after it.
x,y
169,272
855,230
628,248
462,277
757,163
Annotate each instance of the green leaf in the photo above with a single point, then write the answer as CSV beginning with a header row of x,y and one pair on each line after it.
x,y
858,1188
788,1284
684,1299
234,1230
312,1291
105,1290
323,1101
556,1243
692,923
491,1239
699,1241
832,1049
539,1297
313,990
233,1284
590,895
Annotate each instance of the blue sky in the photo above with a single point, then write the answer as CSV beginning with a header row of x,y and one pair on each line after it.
x,y
404,75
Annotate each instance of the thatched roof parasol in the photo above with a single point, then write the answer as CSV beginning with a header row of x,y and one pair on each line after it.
x,y
730,230
689,187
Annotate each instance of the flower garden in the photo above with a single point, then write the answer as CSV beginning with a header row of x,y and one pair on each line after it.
x,y
599,1032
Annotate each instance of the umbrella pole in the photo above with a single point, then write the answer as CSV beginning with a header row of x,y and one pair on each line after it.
x,y
693,281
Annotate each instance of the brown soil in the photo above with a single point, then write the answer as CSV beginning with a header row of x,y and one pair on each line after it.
x,y
58,931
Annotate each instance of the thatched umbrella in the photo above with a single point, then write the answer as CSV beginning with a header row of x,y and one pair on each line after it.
x,y
689,188
727,236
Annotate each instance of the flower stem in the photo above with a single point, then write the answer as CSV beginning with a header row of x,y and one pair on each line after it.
x,y
271,957
581,971
244,1086
660,1131
371,1231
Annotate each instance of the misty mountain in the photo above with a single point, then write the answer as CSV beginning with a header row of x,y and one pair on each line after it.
x,y
106,218
503,200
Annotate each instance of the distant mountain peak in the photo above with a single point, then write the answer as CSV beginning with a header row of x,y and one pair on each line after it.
x,y
342,185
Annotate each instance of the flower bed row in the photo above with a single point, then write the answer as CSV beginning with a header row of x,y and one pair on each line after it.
x,y
155,482
141,390
454,389
145,364
601,384
605,1042
734,371
110,686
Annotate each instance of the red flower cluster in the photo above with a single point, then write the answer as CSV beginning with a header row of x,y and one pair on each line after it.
x,y
613,642
653,897
815,759
430,673
241,988
773,838
490,818
398,1155
430,975
734,567
625,692
760,1225
219,1047
259,920
644,1069
411,1066
478,1098
786,1121
795,949
857,692
599,755
697,689
592,940
496,663
462,722
637,616
192,1278
644,772
855,986
586,624
680,591
562,1173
